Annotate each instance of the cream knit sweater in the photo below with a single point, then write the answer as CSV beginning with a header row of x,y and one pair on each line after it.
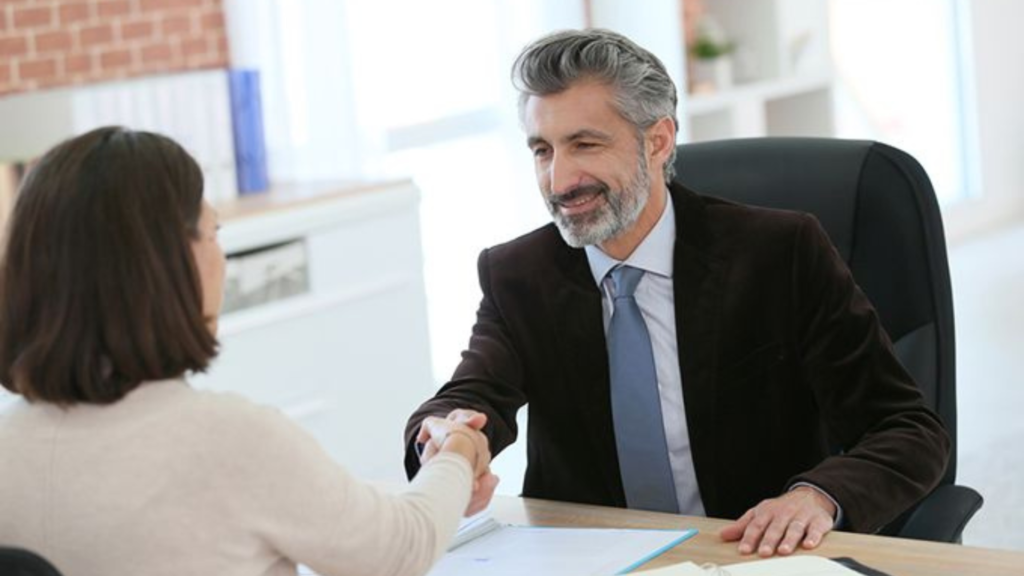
x,y
172,480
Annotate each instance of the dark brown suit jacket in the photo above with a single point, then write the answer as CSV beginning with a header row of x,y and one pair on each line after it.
x,y
784,365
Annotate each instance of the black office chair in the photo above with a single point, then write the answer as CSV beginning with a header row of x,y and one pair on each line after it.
x,y
20,562
879,209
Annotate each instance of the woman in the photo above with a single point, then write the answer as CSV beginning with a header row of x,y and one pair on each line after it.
x,y
110,285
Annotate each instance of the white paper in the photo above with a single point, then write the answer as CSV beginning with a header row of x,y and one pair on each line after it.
x,y
537,551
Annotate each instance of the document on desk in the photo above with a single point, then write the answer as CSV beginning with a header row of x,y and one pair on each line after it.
x,y
506,550
790,566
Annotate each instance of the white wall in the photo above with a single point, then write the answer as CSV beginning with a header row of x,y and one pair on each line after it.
x,y
33,122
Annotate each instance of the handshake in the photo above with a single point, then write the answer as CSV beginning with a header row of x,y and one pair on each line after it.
x,y
460,433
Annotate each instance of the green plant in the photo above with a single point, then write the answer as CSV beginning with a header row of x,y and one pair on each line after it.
x,y
707,48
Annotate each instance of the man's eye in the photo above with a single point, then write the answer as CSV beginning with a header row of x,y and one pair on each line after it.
x,y
539,152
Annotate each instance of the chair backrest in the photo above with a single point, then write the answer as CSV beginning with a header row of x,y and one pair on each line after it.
x,y
879,209
21,562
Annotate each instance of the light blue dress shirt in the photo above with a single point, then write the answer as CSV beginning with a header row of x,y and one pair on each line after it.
x,y
656,299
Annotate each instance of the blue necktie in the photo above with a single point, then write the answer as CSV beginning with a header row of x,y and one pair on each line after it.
x,y
636,404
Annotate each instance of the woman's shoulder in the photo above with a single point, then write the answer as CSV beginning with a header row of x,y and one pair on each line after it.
x,y
258,440
227,410
210,418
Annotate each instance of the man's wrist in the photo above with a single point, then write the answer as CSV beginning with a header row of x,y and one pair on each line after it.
x,y
837,515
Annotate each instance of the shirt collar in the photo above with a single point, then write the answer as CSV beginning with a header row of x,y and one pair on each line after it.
x,y
653,255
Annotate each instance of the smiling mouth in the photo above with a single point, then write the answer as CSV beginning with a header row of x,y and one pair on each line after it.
x,y
577,200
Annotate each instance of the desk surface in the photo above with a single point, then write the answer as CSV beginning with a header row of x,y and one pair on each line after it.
x,y
896,556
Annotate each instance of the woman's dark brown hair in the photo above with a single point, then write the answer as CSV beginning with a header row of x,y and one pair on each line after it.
x,y
99,290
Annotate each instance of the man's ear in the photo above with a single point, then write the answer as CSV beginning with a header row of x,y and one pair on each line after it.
x,y
661,140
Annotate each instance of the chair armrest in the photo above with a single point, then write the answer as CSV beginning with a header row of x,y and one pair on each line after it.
x,y
942,515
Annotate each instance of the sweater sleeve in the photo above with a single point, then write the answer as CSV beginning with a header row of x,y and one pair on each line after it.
x,y
313,512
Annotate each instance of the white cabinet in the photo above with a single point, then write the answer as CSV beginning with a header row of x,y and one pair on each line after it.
x,y
348,358
782,76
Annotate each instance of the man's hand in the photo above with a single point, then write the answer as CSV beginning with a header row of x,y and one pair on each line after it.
x,y
472,418
800,517
483,491
456,437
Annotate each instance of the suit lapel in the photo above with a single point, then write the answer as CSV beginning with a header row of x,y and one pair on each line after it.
x,y
582,345
698,287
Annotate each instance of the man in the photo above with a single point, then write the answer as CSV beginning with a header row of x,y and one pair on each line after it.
x,y
679,353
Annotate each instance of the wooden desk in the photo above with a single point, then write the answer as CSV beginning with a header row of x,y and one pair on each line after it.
x,y
896,556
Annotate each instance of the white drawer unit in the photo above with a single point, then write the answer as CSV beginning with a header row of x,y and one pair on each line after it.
x,y
336,337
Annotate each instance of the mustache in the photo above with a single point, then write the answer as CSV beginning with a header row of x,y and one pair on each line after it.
x,y
584,190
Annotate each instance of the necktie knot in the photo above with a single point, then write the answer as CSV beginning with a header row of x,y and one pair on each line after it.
x,y
626,279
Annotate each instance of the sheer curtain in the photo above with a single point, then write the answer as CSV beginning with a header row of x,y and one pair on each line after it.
x,y
407,88
903,77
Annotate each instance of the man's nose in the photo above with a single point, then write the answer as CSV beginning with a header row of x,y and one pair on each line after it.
x,y
563,174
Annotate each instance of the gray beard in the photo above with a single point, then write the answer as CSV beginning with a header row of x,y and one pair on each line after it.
x,y
619,213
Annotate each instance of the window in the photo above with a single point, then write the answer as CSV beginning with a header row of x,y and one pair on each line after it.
x,y
406,88
901,79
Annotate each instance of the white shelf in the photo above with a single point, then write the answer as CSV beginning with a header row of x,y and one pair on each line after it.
x,y
760,91
782,83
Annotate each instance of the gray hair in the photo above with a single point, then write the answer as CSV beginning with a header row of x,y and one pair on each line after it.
x,y
644,91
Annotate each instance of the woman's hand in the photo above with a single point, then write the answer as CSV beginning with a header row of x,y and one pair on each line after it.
x,y
460,432
452,435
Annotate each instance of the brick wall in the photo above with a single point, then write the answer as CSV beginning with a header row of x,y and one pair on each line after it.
x,y
49,43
